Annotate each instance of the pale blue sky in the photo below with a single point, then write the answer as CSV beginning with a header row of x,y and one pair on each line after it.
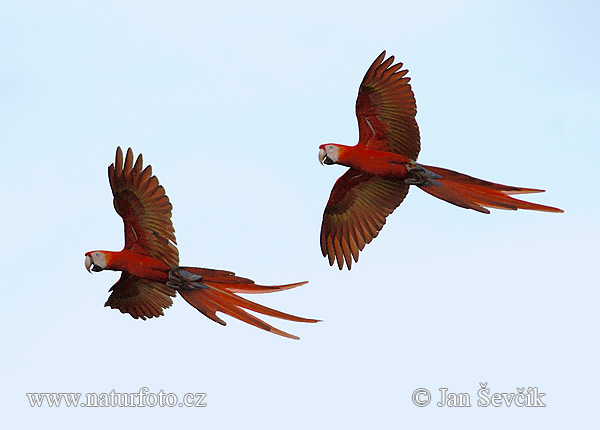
x,y
229,103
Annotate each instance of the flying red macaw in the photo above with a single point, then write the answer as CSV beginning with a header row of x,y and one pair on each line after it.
x,y
149,262
383,166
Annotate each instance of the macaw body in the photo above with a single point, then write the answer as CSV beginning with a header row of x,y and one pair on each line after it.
x,y
149,262
382,167
136,262
381,163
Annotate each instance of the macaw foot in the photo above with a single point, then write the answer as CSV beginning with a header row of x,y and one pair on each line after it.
x,y
419,175
181,279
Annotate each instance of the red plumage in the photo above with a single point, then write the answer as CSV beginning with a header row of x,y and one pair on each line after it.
x,y
149,261
383,166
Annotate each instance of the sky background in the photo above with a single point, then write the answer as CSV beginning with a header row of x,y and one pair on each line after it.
x,y
229,102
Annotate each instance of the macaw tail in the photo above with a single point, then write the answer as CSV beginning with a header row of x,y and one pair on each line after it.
x,y
211,291
472,193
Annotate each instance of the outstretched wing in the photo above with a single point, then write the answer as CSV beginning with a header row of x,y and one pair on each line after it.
x,y
146,211
386,109
139,297
356,212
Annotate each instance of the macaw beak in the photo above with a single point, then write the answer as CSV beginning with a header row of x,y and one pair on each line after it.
x,y
322,155
88,263
323,158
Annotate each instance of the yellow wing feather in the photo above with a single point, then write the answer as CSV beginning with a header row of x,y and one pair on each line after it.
x,y
145,208
386,109
356,212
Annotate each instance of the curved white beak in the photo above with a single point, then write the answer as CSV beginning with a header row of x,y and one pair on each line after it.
x,y
88,263
322,155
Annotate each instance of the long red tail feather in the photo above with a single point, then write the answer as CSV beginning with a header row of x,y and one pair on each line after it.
x,y
219,296
473,193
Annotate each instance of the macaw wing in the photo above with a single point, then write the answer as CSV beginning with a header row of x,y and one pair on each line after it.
x,y
139,297
145,208
356,212
386,109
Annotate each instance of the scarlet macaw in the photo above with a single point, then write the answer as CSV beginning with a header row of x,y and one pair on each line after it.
x,y
149,262
383,166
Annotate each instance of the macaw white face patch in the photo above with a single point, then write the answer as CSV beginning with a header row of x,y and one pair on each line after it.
x,y
95,261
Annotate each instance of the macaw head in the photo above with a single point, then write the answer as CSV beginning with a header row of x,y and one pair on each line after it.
x,y
95,260
329,153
